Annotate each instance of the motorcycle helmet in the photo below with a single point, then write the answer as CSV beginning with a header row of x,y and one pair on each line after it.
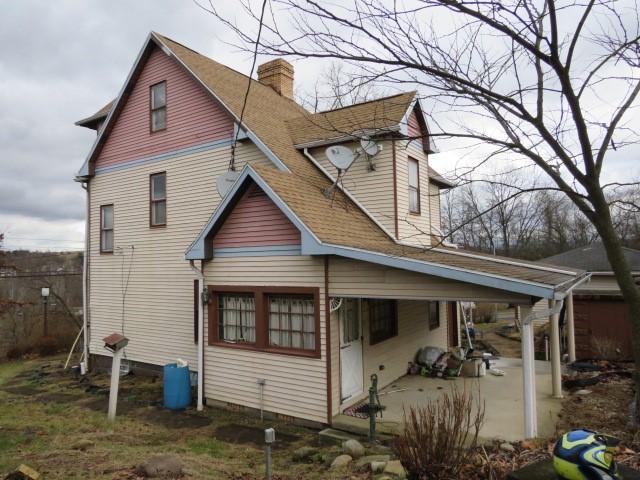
x,y
585,455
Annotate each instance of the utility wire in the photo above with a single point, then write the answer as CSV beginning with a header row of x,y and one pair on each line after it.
x,y
232,165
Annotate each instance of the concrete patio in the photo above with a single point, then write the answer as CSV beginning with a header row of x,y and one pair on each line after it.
x,y
502,397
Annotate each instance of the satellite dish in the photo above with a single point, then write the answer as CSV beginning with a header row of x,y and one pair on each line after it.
x,y
369,146
340,157
225,182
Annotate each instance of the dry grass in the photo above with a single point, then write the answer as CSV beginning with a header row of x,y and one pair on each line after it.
x,y
45,417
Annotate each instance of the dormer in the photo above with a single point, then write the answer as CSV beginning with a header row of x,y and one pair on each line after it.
x,y
397,187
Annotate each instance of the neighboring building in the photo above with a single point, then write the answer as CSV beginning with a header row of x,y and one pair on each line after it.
x,y
308,292
602,325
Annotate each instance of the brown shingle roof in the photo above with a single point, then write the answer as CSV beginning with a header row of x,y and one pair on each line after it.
x,y
100,114
380,114
339,221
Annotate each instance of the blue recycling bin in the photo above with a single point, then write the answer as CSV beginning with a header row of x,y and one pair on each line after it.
x,y
177,387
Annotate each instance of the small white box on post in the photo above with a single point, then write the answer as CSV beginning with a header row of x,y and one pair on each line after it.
x,y
115,343
269,439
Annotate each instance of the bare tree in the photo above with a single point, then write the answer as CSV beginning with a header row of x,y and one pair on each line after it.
x,y
551,83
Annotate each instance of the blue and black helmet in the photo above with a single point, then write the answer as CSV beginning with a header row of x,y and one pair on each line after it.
x,y
585,455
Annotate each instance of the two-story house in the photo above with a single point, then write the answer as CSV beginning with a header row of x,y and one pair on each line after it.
x,y
284,294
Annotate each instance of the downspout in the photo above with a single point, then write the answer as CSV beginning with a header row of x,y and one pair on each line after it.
x,y
85,281
200,273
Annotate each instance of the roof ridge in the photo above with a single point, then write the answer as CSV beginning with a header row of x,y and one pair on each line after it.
x,y
365,102
253,80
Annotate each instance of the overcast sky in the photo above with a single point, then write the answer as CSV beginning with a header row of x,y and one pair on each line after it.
x,y
61,61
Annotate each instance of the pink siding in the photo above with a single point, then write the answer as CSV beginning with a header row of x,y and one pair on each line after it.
x,y
193,118
256,221
415,131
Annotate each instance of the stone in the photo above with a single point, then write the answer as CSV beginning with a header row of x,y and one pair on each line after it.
x,y
160,466
353,448
366,460
507,447
395,468
583,392
377,466
304,454
341,461
83,444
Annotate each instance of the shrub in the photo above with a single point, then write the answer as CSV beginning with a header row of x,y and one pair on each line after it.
x,y
606,348
437,440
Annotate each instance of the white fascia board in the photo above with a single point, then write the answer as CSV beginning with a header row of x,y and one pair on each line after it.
x,y
84,170
533,289
349,137
198,250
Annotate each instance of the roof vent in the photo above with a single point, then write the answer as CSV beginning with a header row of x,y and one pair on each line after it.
x,y
278,74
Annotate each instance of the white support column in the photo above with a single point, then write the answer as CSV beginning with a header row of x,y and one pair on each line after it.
x,y
556,369
571,332
528,375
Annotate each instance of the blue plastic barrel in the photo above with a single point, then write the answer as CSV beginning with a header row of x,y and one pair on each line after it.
x,y
177,387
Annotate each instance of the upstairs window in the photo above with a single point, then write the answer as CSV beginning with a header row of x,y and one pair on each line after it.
x,y
159,106
106,228
414,186
158,208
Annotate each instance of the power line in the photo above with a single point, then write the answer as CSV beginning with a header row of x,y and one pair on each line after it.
x,y
232,165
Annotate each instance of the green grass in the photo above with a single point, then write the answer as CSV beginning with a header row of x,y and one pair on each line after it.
x,y
207,446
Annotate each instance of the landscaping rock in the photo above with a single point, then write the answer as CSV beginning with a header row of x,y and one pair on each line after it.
x,y
583,392
353,448
377,467
341,461
160,466
304,454
507,447
395,468
372,458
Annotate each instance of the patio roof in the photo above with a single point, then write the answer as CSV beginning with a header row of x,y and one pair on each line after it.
x,y
331,227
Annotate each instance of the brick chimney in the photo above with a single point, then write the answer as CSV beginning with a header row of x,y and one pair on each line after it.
x,y
278,74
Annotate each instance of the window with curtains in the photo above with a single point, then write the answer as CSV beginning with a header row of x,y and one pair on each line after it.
x,y
292,322
158,106
158,199
237,318
106,228
414,186
282,320
383,320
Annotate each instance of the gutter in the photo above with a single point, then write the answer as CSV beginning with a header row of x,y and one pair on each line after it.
x,y
200,273
560,295
85,280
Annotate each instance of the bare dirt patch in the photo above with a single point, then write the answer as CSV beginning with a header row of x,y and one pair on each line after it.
x,y
247,435
23,390
175,419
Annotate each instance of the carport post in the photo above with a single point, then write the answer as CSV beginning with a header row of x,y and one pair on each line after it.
x,y
571,332
528,375
556,372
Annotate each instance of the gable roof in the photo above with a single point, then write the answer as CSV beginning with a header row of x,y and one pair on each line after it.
x,y
330,226
593,258
382,114
335,228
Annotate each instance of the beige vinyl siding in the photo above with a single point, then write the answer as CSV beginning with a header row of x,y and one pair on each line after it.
x,y
372,189
158,313
434,208
353,278
295,386
412,228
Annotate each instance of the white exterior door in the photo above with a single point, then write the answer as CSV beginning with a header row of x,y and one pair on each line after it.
x,y
350,349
